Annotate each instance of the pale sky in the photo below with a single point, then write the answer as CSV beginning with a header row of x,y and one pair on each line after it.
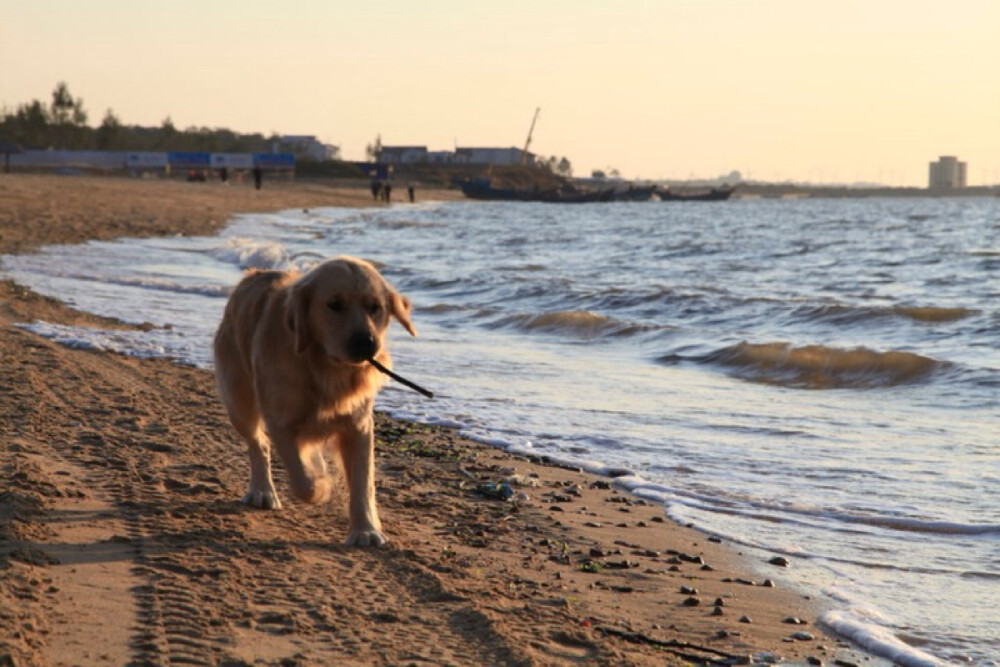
x,y
779,89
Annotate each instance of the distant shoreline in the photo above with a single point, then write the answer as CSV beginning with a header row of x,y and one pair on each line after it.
x,y
781,191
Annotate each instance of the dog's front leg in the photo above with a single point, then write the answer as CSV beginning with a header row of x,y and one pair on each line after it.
x,y
357,451
261,493
307,475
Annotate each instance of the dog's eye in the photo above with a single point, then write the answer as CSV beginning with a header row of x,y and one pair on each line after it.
x,y
375,309
336,305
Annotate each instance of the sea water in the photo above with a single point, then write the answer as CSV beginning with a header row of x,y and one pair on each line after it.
x,y
814,378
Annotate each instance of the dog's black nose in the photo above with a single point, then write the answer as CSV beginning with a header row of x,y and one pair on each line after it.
x,y
361,345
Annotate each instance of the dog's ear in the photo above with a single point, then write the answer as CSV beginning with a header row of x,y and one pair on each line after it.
x,y
399,306
297,315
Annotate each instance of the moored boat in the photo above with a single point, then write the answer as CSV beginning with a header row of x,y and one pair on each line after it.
x,y
635,193
715,194
482,189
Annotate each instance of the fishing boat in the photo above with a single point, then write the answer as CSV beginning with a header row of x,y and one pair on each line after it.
x,y
635,193
482,189
715,194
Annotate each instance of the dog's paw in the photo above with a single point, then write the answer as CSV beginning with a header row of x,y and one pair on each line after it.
x,y
365,538
267,500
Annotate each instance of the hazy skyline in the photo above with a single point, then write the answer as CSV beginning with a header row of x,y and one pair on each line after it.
x,y
816,91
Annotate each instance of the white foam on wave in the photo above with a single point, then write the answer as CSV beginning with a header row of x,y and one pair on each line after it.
x,y
163,285
248,253
876,639
146,344
917,525
834,519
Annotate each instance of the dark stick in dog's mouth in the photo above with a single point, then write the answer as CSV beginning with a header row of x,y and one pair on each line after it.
x,y
412,385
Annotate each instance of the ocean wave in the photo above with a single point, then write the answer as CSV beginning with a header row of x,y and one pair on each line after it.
x,y
431,283
525,268
845,314
446,310
877,639
163,285
818,366
889,522
911,525
933,313
145,343
252,254
832,518
404,224
578,323
442,308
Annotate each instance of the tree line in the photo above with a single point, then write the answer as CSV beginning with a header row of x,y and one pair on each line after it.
x,y
62,124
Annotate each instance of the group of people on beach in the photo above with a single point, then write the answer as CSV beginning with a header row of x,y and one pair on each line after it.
x,y
382,191
196,176
381,188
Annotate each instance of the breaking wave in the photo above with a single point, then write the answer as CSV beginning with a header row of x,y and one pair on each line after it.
x,y
166,285
847,314
877,639
820,367
251,254
932,313
577,323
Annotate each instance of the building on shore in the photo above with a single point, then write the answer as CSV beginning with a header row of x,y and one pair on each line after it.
x,y
482,156
142,162
495,156
947,174
403,154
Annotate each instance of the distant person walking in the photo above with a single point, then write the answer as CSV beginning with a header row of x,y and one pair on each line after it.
x,y
258,177
412,192
376,189
387,192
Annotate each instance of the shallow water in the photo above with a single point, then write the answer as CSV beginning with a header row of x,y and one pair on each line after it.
x,y
814,378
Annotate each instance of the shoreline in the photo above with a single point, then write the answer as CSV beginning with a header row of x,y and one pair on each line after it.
x,y
127,475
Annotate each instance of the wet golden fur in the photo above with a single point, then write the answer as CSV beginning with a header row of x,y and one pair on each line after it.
x,y
290,362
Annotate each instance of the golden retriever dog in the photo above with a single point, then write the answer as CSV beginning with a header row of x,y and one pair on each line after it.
x,y
291,362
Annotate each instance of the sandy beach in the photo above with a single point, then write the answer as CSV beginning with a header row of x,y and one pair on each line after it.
x,y
122,539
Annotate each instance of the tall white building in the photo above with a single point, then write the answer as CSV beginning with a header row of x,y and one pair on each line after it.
x,y
947,173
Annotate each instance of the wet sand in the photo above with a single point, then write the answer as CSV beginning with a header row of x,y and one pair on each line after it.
x,y
122,539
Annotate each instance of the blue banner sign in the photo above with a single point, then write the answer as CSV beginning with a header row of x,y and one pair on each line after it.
x,y
189,159
274,160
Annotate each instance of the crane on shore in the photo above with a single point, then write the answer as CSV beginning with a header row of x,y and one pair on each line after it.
x,y
527,142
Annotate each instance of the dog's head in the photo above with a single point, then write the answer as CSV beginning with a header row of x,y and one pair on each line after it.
x,y
343,306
